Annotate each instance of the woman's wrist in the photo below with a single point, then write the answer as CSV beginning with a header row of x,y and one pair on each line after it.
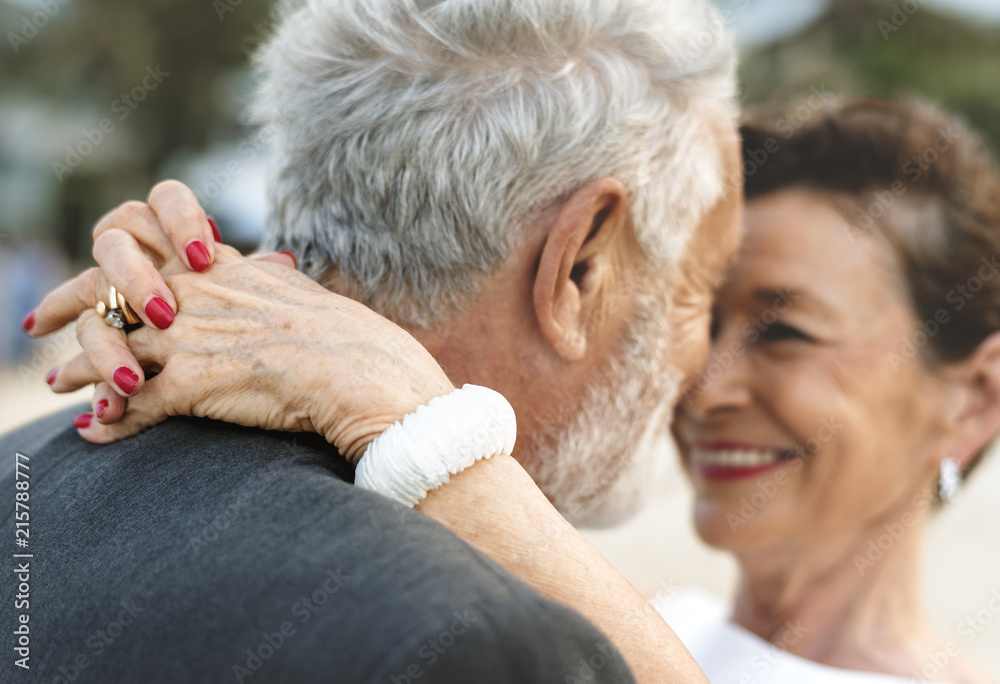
x,y
353,427
440,439
359,394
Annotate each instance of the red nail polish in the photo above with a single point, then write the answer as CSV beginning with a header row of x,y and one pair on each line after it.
x,y
126,379
197,255
290,254
29,321
51,377
101,407
83,420
215,229
160,313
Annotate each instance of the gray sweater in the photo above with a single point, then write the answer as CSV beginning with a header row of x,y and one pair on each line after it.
x,y
205,552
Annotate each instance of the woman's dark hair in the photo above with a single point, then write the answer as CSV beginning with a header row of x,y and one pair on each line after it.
x,y
909,173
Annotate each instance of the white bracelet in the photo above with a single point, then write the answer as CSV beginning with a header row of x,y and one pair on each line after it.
x,y
438,440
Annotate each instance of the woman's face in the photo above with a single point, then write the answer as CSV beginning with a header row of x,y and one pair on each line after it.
x,y
804,425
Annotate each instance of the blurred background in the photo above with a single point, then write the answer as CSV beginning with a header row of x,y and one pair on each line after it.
x,y
100,99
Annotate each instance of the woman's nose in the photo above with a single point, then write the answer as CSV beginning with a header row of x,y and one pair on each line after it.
x,y
723,383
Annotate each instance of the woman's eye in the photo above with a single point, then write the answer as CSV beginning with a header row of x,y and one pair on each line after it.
x,y
779,331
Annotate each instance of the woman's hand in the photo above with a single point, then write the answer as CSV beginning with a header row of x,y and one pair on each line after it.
x,y
253,342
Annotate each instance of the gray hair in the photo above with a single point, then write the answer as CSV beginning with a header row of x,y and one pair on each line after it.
x,y
416,140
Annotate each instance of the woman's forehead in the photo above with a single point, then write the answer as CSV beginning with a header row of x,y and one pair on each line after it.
x,y
797,240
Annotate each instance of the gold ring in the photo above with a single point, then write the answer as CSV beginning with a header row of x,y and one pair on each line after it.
x,y
116,312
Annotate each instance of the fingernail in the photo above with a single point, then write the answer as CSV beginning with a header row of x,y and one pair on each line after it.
x,y
215,229
292,256
29,321
101,407
51,377
197,255
83,420
126,379
160,313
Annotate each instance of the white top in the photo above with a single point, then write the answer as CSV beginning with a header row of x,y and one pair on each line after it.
x,y
730,654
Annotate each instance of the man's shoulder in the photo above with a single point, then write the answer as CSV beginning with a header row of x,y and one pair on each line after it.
x,y
250,554
172,443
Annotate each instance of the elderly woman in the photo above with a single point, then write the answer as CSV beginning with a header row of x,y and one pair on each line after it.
x,y
853,386
854,382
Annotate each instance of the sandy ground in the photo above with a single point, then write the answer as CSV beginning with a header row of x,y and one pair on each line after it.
x,y
657,550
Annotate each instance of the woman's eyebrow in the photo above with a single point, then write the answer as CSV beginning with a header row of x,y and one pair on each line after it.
x,y
793,297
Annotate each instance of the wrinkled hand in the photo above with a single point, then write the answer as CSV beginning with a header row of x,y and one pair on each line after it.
x,y
253,342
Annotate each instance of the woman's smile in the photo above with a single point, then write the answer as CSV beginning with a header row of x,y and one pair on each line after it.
x,y
724,460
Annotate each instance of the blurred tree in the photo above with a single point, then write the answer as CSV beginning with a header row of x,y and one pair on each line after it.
x,y
91,57
898,49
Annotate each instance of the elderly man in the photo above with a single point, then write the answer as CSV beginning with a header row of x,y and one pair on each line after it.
x,y
537,192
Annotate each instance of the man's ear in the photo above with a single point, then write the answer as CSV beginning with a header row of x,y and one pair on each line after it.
x,y
976,420
576,261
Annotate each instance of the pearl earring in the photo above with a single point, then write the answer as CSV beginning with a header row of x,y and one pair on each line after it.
x,y
950,480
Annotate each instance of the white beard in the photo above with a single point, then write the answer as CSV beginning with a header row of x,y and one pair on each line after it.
x,y
598,465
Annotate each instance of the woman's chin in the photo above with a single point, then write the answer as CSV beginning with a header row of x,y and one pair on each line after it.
x,y
726,524
711,525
